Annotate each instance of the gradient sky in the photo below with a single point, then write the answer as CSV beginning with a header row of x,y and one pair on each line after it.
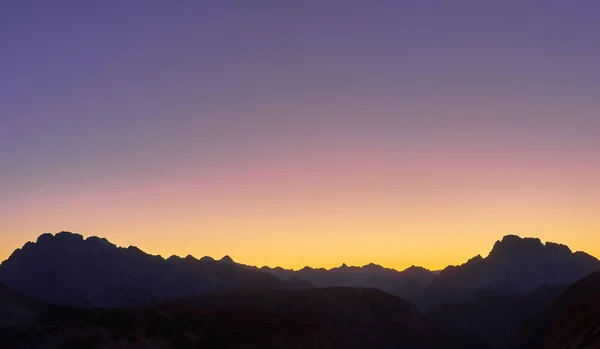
x,y
300,133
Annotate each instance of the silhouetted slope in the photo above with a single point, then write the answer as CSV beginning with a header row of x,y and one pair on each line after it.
x,y
573,321
66,269
357,317
338,304
514,266
491,316
16,309
313,319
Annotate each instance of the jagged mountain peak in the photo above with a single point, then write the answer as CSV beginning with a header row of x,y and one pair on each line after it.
x,y
514,244
69,235
207,259
226,259
67,269
513,247
514,264
559,248
63,236
373,267
415,268
68,239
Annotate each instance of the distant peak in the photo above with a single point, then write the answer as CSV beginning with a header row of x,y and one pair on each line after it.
x,y
416,268
64,237
559,248
373,266
99,240
189,257
511,244
475,259
515,240
343,266
69,235
511,237
207,259
44,237
135,249
227,259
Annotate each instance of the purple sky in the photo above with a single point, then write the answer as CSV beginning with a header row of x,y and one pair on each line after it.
x,y
97,95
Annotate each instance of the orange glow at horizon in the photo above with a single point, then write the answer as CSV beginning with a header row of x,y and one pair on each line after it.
x,y
302,133
429,207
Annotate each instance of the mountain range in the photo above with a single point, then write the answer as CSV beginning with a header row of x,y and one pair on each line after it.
x,y
495,299
66,269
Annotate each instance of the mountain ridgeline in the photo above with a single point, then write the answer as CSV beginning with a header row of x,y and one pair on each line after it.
x,y
514,296
514,266
67,269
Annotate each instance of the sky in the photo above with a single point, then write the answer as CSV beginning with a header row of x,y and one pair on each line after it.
x,y
295,133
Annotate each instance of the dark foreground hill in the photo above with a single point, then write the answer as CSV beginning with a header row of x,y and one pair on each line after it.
x,y
572,322
492,316
312,319
16,309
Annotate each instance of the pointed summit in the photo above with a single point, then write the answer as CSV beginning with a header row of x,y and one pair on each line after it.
x,y
227,260
207,259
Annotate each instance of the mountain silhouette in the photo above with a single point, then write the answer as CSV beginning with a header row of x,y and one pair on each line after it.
x,y
515,266
66,269
68,280
370,275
